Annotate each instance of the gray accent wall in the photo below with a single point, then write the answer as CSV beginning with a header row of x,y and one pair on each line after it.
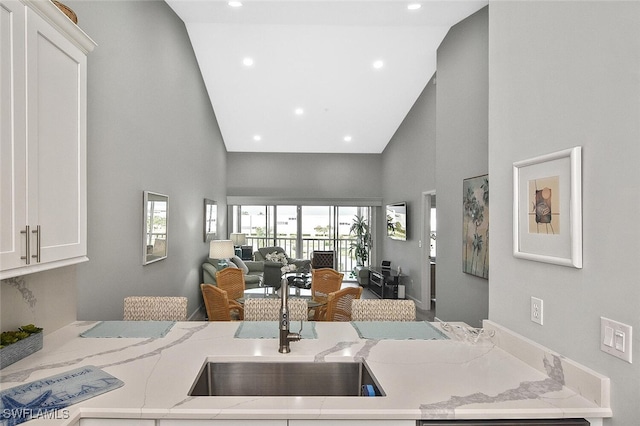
x,y
314,176
461,153
150,127
409,169
565,74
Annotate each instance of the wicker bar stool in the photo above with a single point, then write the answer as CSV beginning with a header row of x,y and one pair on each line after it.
x,y
155,308
269,309
383,310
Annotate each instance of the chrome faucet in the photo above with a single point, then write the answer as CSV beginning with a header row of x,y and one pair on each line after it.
x,y
285,336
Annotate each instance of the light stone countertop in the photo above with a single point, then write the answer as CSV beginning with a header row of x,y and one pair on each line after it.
x,y
504,376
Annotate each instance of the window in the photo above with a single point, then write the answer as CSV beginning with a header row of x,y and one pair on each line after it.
x,y
432,237
301,229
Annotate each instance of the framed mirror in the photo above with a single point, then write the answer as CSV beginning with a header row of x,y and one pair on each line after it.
x,y
210,219
155,226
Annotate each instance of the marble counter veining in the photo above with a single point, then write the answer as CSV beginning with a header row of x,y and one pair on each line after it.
x,y
503,376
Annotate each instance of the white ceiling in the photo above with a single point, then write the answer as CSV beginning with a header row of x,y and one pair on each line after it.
x,y
317,56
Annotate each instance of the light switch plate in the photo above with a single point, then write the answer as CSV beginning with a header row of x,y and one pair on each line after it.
x,y
615,338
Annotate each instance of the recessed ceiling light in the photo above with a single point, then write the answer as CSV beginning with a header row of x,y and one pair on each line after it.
x,y
247,62
257,138
235,4
378,64
299,111
414,6
348,138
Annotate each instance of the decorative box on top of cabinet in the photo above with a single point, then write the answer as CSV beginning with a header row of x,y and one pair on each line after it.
x,y
43,140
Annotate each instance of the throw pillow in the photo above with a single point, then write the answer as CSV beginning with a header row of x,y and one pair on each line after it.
x,y
240,264
277,256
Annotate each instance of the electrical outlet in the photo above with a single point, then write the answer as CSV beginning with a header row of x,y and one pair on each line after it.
x,y
536,310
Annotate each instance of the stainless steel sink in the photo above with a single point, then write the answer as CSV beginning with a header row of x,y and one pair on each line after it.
x,y
285,379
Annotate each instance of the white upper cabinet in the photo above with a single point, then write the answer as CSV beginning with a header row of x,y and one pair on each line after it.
x,y
43,103
13,179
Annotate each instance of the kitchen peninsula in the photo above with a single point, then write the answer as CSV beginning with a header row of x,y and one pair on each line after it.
x,y
502,375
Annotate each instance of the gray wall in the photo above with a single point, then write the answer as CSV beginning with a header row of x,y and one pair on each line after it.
x,y
311,176
409,169
565,74
150,127
461,152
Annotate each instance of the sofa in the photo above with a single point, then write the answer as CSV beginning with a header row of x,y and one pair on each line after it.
x,y
261,255
253,271
272,273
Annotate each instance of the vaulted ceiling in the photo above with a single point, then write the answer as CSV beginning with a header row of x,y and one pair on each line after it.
x,y
331,76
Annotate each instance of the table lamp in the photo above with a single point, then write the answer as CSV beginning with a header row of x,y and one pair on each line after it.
x,y
221,250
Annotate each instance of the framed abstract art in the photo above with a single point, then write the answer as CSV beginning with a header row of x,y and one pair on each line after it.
x,y
547,208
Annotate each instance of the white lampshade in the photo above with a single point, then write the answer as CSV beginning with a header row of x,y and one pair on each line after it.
x,y
221,249
238,239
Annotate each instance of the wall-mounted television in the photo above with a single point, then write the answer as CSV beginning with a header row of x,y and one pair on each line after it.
x,y
397,221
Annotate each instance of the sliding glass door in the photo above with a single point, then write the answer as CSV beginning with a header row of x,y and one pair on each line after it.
x,y
286,229
301,230
317,229
256,222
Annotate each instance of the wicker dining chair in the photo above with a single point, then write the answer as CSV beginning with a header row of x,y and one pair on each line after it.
x,y
323,282
155,308
232,281
269,309
383,310
338,306
218,305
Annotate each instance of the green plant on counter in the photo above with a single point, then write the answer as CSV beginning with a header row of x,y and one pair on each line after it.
x,y
9,337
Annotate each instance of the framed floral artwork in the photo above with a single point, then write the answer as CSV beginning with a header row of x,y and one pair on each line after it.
x,y
547,208
475,226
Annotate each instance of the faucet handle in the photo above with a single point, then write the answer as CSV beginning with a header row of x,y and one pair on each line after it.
x,y
294,337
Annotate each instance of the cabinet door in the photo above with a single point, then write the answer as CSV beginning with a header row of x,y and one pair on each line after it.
x,y
13,208
116,422
167,422
56,141
352,422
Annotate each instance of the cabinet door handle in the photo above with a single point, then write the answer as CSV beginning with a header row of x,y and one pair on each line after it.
x,y
37,255
28,245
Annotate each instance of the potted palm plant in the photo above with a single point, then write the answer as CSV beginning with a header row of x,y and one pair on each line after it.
x,y
360,248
